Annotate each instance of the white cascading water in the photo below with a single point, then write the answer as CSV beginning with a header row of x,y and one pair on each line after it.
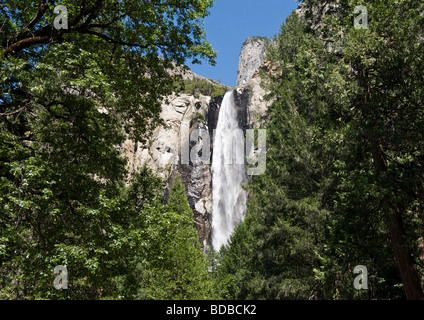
x,y
228,174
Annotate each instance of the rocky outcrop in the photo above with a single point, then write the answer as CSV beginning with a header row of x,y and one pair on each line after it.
x,y
187,74
250,94
213,119
164,152
313,12
252,56
250,98
169,150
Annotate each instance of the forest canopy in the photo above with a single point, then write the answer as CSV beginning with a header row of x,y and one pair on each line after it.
x,y
344,179
68,99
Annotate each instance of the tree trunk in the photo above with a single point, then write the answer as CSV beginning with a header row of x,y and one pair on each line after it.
x,y
404,260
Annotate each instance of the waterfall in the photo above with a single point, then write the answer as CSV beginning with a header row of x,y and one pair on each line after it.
x,y
228,174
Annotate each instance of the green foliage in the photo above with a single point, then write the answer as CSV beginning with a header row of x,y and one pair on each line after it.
x,y
196,87
188,274
68,99
197,117
166,261
345,156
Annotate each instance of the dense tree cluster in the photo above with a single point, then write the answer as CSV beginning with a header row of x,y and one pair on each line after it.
x,y
344,179
68,98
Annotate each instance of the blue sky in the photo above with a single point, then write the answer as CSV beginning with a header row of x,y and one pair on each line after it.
x,y
230,23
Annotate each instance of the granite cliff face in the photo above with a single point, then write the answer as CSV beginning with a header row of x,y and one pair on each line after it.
x,y
190,121
165,154
252,56
249,92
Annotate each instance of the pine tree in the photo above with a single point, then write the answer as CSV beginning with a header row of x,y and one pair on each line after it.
x,y
184,273
344,167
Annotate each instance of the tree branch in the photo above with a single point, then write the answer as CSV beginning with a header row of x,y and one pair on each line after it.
x,y
42,9
12,112
111,40
24,43
80,14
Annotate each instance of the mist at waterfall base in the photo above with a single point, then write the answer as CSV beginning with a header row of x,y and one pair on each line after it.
x,y
228,174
